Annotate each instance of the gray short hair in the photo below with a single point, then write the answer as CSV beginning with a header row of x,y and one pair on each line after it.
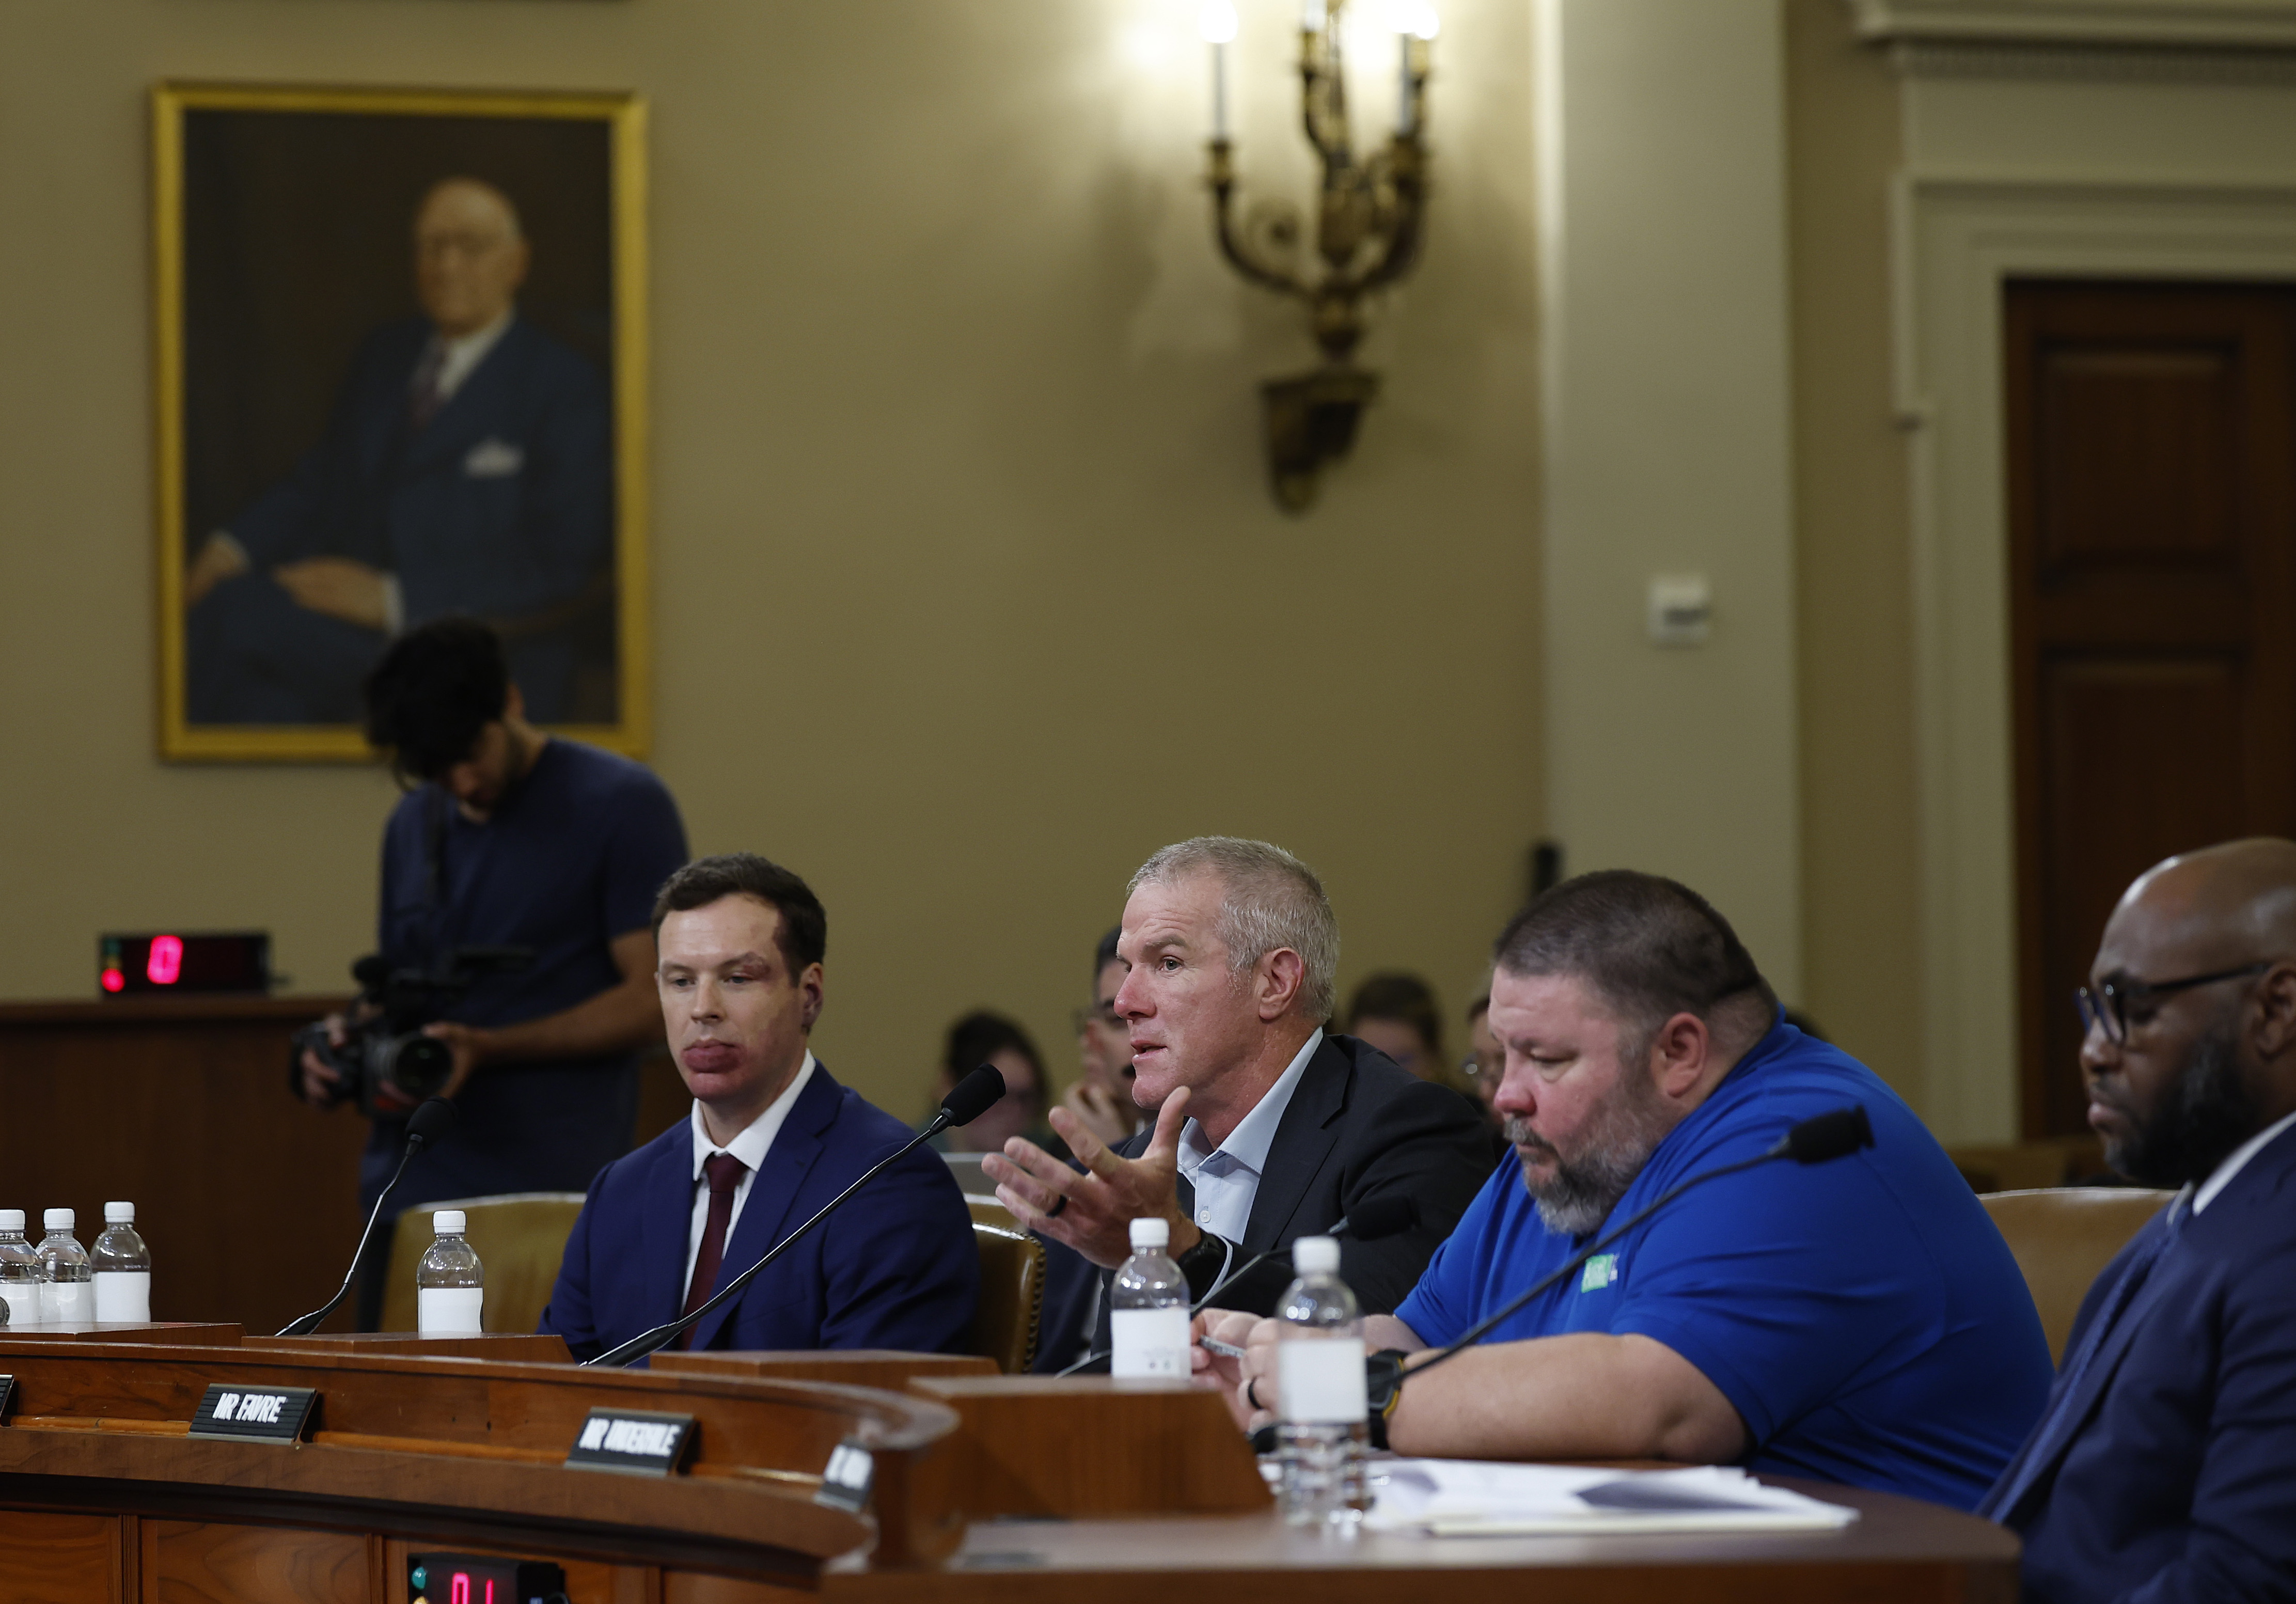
x,y
1271,901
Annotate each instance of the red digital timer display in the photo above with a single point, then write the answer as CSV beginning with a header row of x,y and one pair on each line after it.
x,y
226,961
482,1579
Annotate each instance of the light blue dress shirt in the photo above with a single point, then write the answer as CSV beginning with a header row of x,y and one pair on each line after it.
x,y
1227,1178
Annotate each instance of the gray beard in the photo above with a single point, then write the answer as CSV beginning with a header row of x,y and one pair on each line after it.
x,y
2198,1124
1586,1189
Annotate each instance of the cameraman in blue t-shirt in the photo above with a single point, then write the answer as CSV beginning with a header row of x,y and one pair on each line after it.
x,y
508,838
1859,1321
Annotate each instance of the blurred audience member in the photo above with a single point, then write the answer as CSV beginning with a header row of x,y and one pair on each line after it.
x,y
1486,1058
1397,1014
1103,1098
982,1037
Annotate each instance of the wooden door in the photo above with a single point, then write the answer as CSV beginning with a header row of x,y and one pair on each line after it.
x,y
2153,588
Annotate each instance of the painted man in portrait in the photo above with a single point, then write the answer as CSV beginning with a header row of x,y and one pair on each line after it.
x,y
467,468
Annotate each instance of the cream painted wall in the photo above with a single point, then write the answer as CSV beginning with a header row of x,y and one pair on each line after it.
x,y
1669,450
968,593
1860,885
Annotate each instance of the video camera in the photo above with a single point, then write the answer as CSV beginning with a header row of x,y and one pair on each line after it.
x,y
383,1043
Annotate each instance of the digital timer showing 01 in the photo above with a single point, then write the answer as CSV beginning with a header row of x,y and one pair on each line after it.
x,y
482,1579
192,960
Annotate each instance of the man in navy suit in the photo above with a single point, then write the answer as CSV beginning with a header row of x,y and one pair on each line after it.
x,y
771,1140
2164,1468
467,468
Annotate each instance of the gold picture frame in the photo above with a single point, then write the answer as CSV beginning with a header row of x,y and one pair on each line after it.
x,y
246,203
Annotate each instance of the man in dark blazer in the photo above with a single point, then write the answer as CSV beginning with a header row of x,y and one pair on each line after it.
x,y
771,1140
1266,1128
467,467
2164,1468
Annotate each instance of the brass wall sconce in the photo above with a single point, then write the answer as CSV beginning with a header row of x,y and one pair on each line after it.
x,y
1368,226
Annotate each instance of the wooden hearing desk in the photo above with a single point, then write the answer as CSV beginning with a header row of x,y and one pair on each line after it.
x,y
988,1488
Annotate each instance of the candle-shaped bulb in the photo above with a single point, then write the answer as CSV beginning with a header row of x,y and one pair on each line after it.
x,y
1313,14
1216,21
1416,18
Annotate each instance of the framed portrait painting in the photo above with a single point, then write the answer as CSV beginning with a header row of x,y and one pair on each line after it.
x,y
401,375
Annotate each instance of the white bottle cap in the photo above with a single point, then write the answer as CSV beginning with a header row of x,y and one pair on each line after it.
x,y
11,1219
59,1219
120,1214
447,1222
1315,1255
1151,1233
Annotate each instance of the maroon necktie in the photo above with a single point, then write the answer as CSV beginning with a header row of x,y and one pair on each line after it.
x,y
724,1172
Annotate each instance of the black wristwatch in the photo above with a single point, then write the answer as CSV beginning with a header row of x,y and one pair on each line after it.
x,y
1382,1391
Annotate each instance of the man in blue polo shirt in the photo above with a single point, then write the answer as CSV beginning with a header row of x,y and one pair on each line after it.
x,y
1857,1322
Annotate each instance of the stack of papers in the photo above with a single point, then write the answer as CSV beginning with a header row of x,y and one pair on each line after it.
x,y
1456,1497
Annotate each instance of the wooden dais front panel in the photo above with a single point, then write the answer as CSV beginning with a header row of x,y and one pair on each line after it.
x,y
57,1557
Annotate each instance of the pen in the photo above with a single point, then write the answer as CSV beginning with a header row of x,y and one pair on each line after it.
x,y
1213,1345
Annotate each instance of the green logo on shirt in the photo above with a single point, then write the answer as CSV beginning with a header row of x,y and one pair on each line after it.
x,y
1601,1272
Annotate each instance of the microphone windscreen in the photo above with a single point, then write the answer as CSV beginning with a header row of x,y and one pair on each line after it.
x,y
431,1121
1834,1136
973,1095
1384,1217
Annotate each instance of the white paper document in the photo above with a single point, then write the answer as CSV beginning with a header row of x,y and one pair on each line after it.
x,y
1460,1497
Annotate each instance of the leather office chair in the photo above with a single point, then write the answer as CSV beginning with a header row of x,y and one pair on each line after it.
x,y
2062,1237
520,1237
1012,1287
2028,1165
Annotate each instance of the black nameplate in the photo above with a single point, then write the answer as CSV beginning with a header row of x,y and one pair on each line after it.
x,y
846,1480
635,1440
263,1414
7,1396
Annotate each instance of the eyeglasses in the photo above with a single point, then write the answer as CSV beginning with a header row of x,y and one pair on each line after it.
x,y
2106,1008
1106,1017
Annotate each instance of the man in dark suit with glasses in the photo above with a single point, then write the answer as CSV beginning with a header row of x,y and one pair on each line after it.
x,y
2164,1467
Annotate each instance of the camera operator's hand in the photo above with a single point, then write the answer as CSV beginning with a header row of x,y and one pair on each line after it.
x,y
466,1043
323,1087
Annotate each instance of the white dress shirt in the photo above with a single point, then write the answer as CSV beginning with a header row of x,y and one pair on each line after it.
x,y
1227,1178
750,1147
2221,1176
462,354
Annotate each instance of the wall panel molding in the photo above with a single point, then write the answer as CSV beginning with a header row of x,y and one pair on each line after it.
x,y
1959,237
2186,24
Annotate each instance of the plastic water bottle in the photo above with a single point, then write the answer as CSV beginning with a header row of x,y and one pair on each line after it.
x,y
1320,1409
449,1283
67,1289
1148,1308
20,1274
123,1267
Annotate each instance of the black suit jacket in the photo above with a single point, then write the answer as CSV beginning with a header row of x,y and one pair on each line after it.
x,y
1358,1126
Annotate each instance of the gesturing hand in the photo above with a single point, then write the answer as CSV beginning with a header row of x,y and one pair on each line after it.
x,y
1093,1213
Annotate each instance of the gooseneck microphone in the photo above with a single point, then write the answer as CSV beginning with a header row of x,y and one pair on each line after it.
x,y
1367,1222
968,1101
426,1125
1816,1140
